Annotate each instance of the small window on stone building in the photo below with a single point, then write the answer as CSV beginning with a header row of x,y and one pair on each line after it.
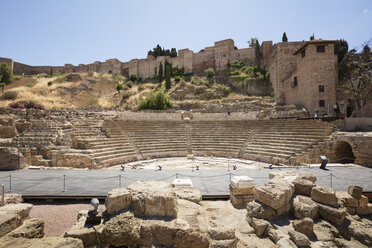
x,y
303,54
320,49
321,103
295,82
321,88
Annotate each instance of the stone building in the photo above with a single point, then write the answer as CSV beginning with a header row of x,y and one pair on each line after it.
x,y
305,73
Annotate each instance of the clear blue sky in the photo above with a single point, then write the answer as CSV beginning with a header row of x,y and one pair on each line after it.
x,y
51,32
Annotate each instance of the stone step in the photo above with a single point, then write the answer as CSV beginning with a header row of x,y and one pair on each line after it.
x,y
112,152
108,157
118,160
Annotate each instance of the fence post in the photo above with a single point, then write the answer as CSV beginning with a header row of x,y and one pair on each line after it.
x,y
10,183
64,183
2,195
119,180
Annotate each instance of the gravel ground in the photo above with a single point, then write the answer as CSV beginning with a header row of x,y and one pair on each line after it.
x,y
59,215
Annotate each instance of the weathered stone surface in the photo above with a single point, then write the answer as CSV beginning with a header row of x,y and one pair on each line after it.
x,y
361,232
290,176
303,187
118,199
122,230
22,210
219,232
86,233
241,191
189,194
303,207
285,243
276,234
347,199
259,210
31,228
355,191
240,201
13,198
333,215
153,198
22,126
362,210
351,210
189,238
8,222
363,201
46,242
8,131
9,158
273,195
259,225
283,210
305,226
298,238
324,195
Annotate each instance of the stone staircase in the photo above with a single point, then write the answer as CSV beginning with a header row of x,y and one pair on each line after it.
x,y
278,141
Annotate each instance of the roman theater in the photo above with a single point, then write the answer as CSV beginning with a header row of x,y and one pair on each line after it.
x,y
234,172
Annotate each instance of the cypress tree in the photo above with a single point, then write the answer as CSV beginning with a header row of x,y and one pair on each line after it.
x,y
168,83
160,76
284,38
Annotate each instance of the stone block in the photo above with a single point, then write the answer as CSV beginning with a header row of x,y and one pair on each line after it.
x,y
122,230
331,214
153,198
305,226
283,210
355,191
285,243
363,201
13,198
240,191
324,195
242,182
182,183
347,199
189,194
22,210
117,200
260,226
31,228
351,210
274,195
276,234
303,187
8,222
240,201
362,210
303,207
299,239
260,210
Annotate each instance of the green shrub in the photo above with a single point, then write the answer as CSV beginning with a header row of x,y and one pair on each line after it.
x,y
141,88
133,78
119,87
210,72
156,100
130,84
90,74
61,78
117,77
92,100
2,85
50,83
223,89
177,79
30,85
234,73
236,64
6,73
9,95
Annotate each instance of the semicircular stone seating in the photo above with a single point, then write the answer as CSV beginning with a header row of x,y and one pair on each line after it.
x,y
277,141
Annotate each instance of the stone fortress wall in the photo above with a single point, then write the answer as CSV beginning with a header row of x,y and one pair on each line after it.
x,y
217,57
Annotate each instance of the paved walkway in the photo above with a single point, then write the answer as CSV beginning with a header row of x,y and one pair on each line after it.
x,y
210,182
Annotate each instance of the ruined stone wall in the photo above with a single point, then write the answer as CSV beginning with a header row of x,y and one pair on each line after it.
x,y
281,64
10,62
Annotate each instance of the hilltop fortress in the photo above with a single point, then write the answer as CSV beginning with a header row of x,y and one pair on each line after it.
x,y
301,72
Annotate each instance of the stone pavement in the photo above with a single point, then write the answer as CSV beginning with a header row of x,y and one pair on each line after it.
x,y
83,183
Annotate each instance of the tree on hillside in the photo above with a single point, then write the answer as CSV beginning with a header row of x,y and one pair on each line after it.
x,y
160,75
258,53
312,37
5,73
159,51
173,53
357,77
252,42
284,37
341,48
168,69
